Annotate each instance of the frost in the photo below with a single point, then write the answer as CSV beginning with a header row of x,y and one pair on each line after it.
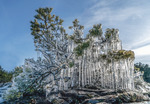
x,y
77,62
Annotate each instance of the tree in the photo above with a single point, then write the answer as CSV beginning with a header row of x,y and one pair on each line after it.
x,y
5,76
50,39
27,79
144,68
49,35
78,30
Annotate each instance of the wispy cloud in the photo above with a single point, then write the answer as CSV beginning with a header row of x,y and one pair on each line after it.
x,y
104,11
130,16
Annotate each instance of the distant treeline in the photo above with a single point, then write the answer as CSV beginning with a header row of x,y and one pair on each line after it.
x,y
5,76
145,68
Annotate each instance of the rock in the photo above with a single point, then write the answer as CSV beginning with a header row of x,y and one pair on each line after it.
x,y
95,96
128,97
92,101
1,84
85,96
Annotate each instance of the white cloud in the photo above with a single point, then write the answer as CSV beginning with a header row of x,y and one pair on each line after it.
x,y
142,51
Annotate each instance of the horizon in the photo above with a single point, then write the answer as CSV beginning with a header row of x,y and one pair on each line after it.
x,y
131,17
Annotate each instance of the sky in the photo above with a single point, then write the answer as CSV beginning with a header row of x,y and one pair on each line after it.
x,y
131,17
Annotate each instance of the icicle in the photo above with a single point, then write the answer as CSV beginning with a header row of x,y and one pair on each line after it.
x,y
79,73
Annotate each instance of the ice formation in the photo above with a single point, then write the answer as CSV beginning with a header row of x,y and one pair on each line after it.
x,y
76,62
104,64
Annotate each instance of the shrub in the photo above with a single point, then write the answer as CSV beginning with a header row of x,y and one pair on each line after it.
x,y
80,48
71,64
96,30
5,76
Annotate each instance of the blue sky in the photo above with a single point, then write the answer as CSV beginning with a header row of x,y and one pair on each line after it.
x,y
131,17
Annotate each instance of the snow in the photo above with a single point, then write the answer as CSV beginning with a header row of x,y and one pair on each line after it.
x,y
2,90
